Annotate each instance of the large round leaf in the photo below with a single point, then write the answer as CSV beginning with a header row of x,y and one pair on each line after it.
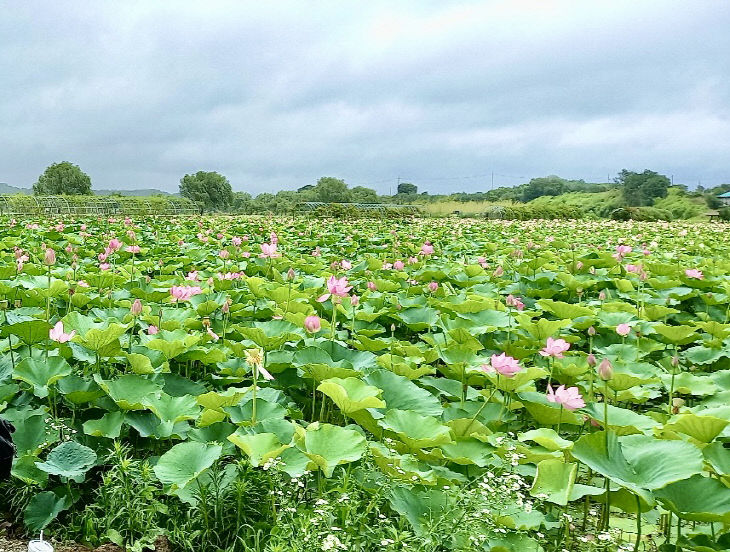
x,y
184,462
70,460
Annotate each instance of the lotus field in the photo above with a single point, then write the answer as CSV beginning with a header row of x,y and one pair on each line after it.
x,y
298,384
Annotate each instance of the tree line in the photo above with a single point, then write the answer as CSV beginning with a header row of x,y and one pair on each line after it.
x,y
212,191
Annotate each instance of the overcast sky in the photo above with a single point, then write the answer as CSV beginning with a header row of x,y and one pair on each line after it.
x,y
276,94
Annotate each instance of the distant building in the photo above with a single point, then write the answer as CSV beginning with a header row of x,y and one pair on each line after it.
x,y
725,198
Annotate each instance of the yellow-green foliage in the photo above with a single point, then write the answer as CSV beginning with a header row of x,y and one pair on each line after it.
x,y
681,205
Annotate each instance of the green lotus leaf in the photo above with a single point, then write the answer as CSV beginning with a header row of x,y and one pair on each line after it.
x,y
563,310
419,318
130,391
419,506
554,481
400,393
415,430
546,437
468,452
43,508
184,462
109,425
351,394
70,460
690,384
259,447
25,469
41,373
698,498
704,355
328,446
171,343
679,335
718,457
621,421
243,413
29,331
638,462
172,409
79,390
702,428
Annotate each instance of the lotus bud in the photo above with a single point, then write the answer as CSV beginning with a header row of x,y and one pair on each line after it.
x,y
290,275
392,328
602,296
312,323
605,370
499,271
591,360
49,257
591,331
372,286
675,361
226,307
433,286
354,300
136,307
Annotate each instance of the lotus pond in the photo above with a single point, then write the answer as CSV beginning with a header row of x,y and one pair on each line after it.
x,y
283,384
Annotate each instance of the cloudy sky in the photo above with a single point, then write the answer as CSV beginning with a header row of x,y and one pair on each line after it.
x,y
441,93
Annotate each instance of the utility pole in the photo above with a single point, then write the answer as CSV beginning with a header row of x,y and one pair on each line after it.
x,y
492,180
397,186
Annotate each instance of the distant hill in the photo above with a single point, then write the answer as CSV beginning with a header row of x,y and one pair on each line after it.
x,y
8,189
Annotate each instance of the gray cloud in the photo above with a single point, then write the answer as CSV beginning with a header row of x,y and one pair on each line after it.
x,y
276,94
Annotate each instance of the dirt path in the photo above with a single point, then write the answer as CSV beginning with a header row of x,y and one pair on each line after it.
x,y
12,545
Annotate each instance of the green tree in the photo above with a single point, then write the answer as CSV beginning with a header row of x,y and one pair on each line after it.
x,y
543,186
641,189
361,194
332,190
407,188
63,178
210,190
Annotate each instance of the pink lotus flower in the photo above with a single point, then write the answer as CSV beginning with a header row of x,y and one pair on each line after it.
x,y
236,241
268,251
412,260
224,254
636,269
694,273
515,302
354,300
49,257
337,287
312,323
316,252
212,334
398,265
555,348
152,330
114,244
346,265
57,334
82,283
427,249
623,330
193,276
136,308
104,266
499,271
183,293
433,286
569,398
133,249
372,286
505,365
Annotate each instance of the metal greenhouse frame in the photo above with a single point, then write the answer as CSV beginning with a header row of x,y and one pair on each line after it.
x,y
27,205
